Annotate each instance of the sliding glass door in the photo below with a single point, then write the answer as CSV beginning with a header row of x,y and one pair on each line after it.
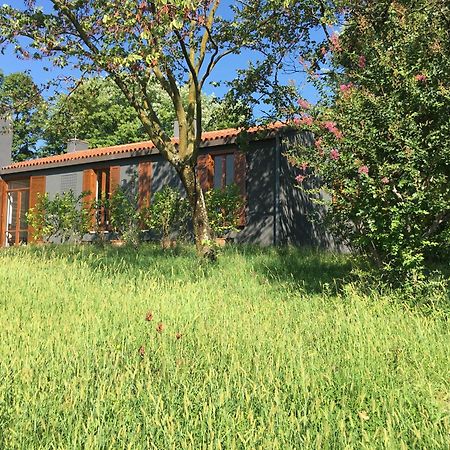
x,y
18,202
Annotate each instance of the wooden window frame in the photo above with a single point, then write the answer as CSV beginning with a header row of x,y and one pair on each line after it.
x,y
224,154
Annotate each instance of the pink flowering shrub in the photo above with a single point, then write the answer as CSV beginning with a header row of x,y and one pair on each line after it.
x,y
383,152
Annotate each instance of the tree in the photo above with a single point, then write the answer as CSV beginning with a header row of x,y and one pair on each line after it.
x,y
97,111
382,132
136,42
21,99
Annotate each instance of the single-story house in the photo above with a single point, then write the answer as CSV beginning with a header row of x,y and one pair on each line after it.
x,y
276,211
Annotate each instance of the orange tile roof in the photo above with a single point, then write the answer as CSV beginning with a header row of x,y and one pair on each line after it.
x,y
144,146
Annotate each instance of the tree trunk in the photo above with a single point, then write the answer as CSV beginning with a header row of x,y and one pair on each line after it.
x,y
202,231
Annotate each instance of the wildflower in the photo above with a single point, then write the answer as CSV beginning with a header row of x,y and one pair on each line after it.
x,y
299,178
323,51
141,351
362,62
363,170
178,336
304,104
385,180
318,143
334,154
149,316
303,166
420,77
160,327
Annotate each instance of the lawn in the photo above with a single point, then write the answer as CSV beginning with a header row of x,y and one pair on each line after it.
x,y
264,349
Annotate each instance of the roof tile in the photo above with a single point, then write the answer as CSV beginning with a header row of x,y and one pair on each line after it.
x,y
144,146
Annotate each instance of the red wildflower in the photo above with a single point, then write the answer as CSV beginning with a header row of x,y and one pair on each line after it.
x,y
160,327
334,154
141,351
149,316
363,170
178,336
362,62
420,77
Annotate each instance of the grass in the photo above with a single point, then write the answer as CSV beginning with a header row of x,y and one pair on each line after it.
x,y
275,353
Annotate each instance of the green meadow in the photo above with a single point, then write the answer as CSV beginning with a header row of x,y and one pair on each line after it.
x,y
104,348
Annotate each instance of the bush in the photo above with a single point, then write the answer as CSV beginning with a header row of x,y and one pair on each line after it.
x,y
382,144
224,207
62,218
124,215
168,213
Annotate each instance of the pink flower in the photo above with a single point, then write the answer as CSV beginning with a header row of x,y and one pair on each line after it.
x,y
318,143
420,77
304,104
345,87
323,51
362,62
332,128
363,170
303,166
299,178
335,44
334,154
307,120
385,180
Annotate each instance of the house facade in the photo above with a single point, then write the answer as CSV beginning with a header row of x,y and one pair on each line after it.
x,y
276,211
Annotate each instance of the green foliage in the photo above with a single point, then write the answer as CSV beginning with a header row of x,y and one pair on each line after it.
x,y
383,138
21,100
124,215
255,351
168,213
63,218
224,207
97,111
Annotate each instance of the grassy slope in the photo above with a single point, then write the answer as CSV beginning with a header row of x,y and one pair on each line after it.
x,y
269,357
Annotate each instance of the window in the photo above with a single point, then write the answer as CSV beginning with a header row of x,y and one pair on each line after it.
x,y
223,170
18,202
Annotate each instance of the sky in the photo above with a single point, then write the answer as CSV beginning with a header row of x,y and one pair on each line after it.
x,y
224,71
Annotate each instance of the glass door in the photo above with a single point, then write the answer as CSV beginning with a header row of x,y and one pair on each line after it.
x,y
18,196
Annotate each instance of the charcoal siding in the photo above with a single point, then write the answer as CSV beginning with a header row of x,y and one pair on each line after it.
x,y
260,182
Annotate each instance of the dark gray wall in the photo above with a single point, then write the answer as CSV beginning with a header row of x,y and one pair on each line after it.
x,y
301,219
260,194
64,182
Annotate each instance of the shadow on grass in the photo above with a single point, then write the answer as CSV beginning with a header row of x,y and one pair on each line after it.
x,y
313,271
309,270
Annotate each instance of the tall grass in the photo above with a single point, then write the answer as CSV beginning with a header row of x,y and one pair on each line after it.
x,y
264,349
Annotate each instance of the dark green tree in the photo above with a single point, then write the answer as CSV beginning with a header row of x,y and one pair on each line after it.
x,y
21,100
97,111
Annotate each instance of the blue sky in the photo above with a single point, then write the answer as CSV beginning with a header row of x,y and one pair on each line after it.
x,y
224,71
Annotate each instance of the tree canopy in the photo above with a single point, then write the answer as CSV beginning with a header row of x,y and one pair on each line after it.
x,y
21,99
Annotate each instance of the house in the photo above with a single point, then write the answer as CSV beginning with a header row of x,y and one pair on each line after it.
x,y
276,211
